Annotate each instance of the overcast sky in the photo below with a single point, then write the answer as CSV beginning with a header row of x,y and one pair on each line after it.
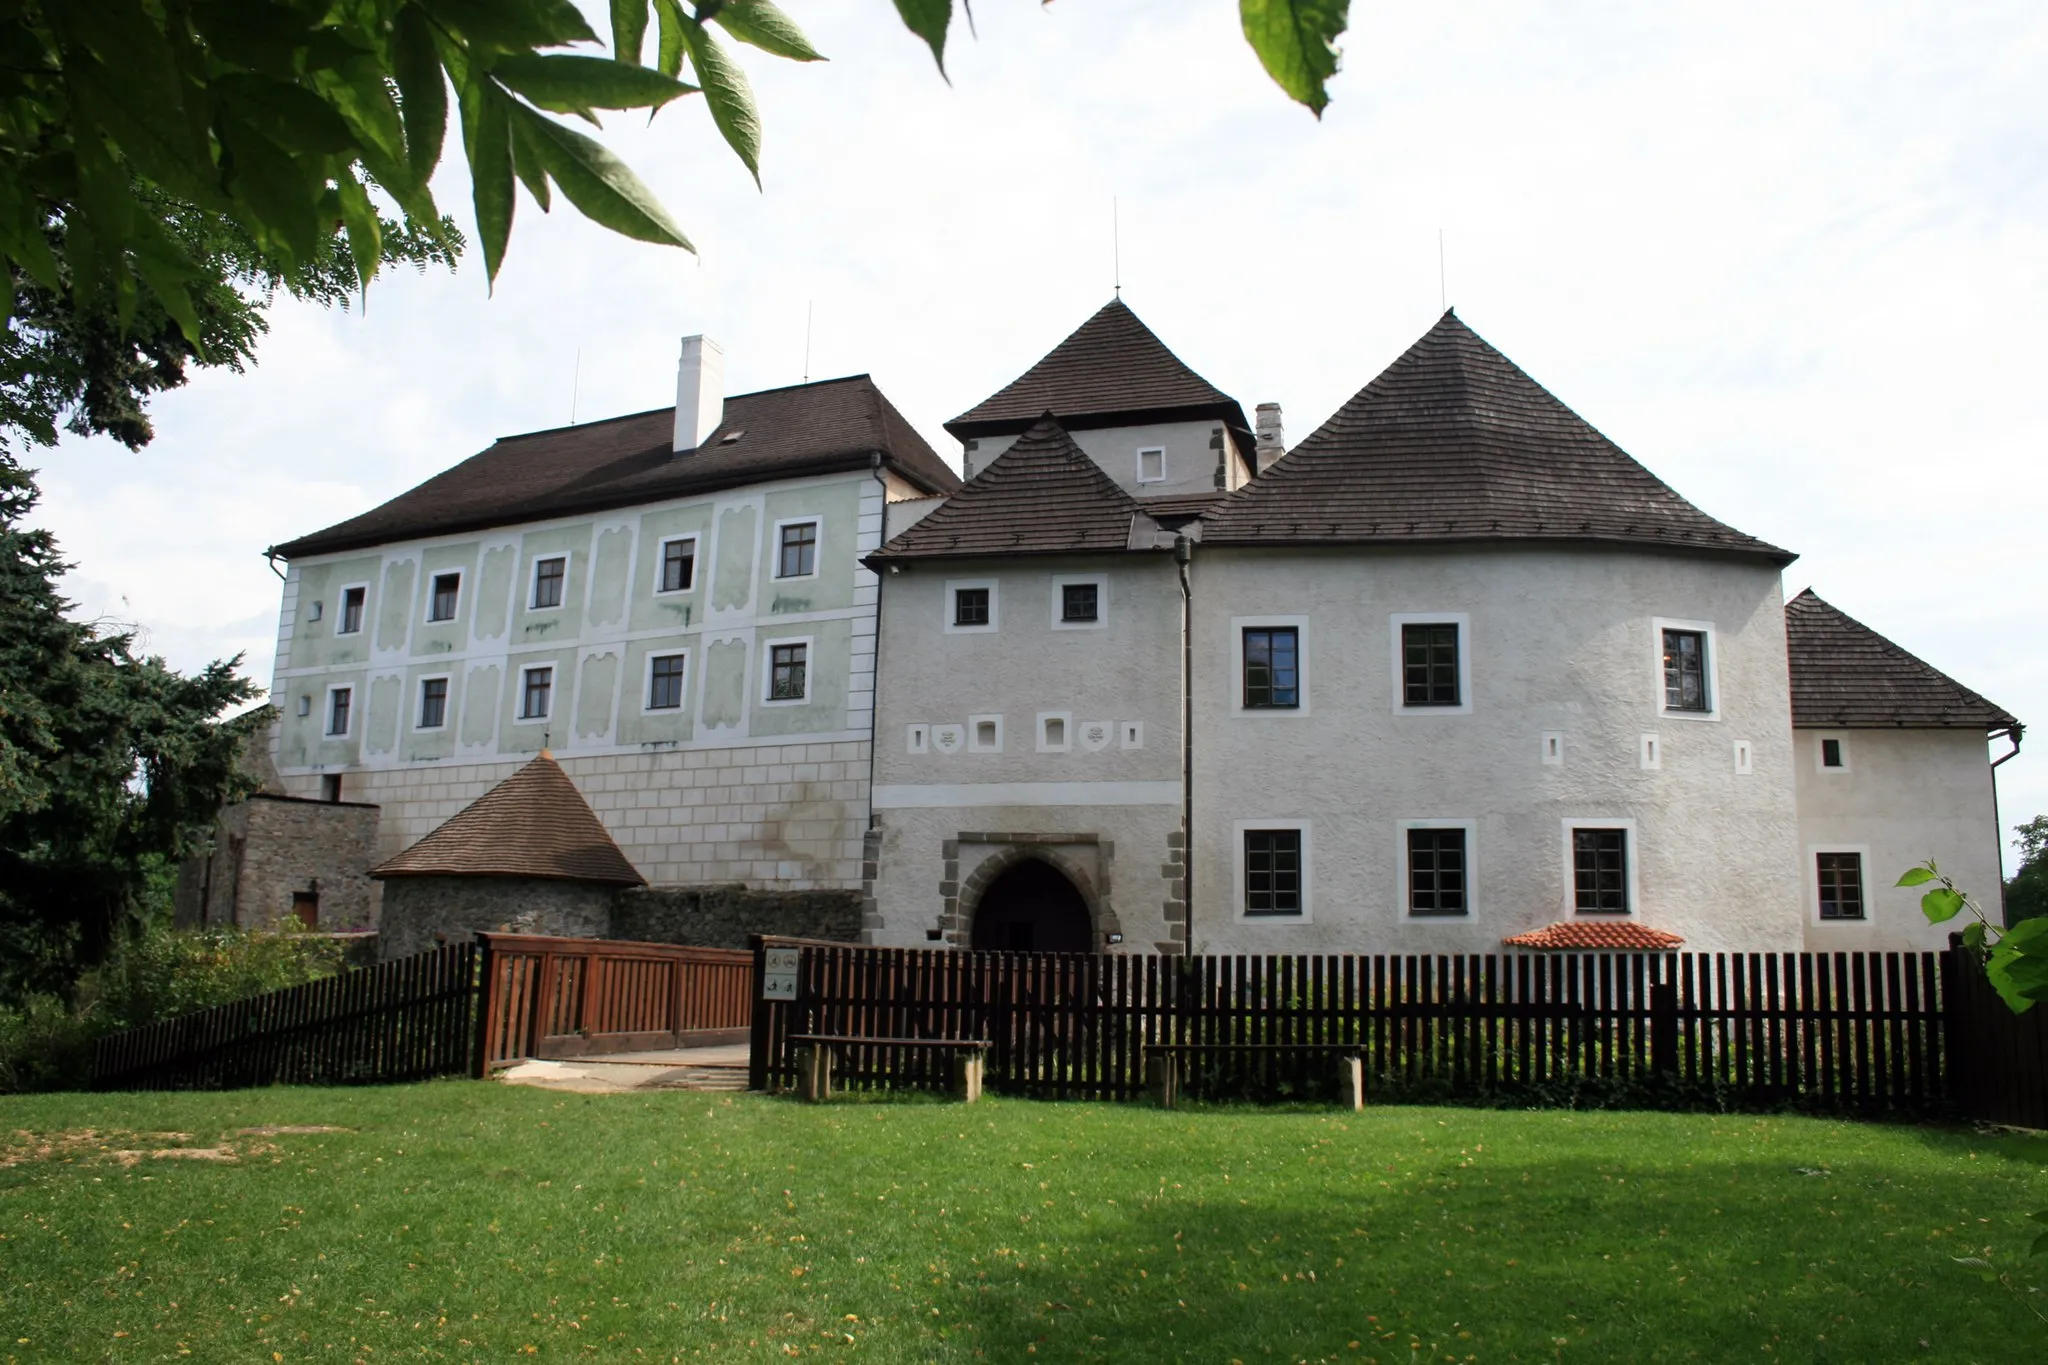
x,y
1793,258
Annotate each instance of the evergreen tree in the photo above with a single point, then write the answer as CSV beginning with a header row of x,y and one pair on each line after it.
x,y
2026,894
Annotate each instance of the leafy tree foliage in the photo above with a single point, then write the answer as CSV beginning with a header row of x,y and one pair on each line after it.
x,y
2026,894
112,766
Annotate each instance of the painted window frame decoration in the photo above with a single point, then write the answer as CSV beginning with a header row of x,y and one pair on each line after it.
x,y
355,597
523,714
1661,629
949,605
419,715
559,581
1818,869
341,701
681,678
1399,624
798,658
815,546
1577,894
1055,732
1057,607
688,561
434,581
1404,855
1249,856
975,743
1841,753
1240,626
1160,452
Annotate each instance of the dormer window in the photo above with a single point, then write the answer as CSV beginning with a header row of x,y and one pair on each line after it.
x,y
1152,465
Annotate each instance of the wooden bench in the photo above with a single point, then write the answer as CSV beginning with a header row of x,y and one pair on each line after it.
x,y
814,1060
1162,1066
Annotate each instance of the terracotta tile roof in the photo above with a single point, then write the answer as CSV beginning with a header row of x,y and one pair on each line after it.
x,y
1043,495
533,824
1113,371
817,428
1594,936
1844,674
1454,443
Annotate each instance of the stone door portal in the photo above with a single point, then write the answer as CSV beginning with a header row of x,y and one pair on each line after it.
x,y
1033,908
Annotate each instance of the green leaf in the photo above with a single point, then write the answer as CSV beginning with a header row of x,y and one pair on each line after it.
x,y
629,29
291,116
164,267
529,166
1915,876
1941,904
1973,934
2040,1247
1296,40
669,51
576,85
513,25
365,234
422,92
2029,935
928,20
600,185
730,97
487,139
762,25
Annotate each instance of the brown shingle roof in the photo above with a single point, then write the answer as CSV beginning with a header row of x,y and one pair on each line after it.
x,y
1113,371
533,824
1041,496
1596,936
817,428
1453,442
1844,674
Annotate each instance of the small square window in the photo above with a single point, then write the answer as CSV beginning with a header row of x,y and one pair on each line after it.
x,y
798,557
1831,756
1078,601
1152,466
1600,871
352,600
1429,664
678,565
665,682
548,577
1436,872
1272,666
339,702
1272,872
970,606
1841,885
1685,671
433,703
536,693
788,667
447,590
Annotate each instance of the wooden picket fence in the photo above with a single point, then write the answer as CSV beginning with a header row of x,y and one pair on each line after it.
x,y
403,1020
1998,1060
564,997
1840,1032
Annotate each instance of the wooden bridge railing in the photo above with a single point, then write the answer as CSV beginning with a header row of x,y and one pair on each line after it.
x,y
571,997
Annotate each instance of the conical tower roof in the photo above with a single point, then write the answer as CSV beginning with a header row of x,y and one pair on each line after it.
x,y
1113,371
533,824
1043,495
1453,442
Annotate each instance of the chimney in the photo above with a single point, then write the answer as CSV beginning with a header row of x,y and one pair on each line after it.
x,y
700,392
1271,445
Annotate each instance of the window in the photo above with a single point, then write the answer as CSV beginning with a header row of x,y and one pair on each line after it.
x,y
665,682
1272,872
352,600
447,588
339,699
1600,871
1429,664
1152,465
330,788
1685,671
984,734
970,606
433,703
547,581
536,693
1272,671
799,550
678,565
1437,881
1077,601
788,666
1831,753
1055,733
306,909
1841,885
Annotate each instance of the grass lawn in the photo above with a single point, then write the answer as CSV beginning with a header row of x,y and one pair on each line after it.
x,y
460,1221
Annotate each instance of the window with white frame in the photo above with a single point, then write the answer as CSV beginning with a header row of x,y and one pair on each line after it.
x,y
536,692
789,665
1600,870
1838,883
1080,601
1831,754
433,712
1687,683
678,568
1271,667
1274,866
352,600
665,682
340,704
550,576
444,594
1436,868
972,606
796,549
1432,663
1152,465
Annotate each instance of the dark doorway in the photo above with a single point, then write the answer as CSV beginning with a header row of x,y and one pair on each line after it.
x,y
306,908
1033,908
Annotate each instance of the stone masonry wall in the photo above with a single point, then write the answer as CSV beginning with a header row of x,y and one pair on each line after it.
x,y
417,908
771,817
723,916
269,847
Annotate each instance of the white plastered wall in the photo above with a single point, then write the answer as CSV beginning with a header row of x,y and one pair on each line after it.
x,y
1191,455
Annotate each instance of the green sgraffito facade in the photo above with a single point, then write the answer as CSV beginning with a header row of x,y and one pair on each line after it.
x,y
724,702
381,719
536,625
641,724
395,604
432,637
595,689
494,591
480,704
610,568
322,643
732,585
519,734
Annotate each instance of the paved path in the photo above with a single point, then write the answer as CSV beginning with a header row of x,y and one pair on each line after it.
x,y
689,1068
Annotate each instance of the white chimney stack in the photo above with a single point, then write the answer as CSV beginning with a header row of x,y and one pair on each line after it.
x,y
1271,445
700,392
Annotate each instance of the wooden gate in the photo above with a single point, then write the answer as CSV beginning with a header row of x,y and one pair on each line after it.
x,y
579,997
1997,1060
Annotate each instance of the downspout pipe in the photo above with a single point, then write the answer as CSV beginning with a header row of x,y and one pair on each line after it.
x,y
2014,732
1183,559
875,684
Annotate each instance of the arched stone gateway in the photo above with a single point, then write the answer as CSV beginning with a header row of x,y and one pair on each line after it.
x,y
1032,907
